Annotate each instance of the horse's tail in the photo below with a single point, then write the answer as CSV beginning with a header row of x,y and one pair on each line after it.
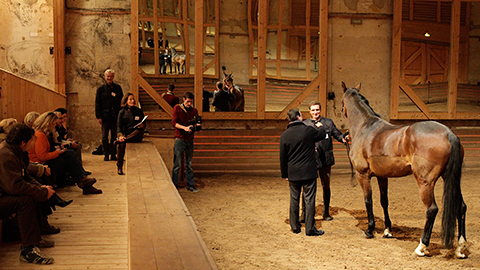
x,y
452,194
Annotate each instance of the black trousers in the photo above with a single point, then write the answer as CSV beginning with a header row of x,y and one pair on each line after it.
x,y
309,193
108,146
24,206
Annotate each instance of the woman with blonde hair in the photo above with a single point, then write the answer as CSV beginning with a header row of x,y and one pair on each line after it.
x,y
5,126
30,118
59,159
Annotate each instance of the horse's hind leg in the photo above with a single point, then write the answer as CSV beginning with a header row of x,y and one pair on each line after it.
x,y
462,238
383,186
428,199
364,181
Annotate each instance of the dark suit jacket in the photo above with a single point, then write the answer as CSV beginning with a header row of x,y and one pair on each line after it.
x,y
297,151
107,102
324,152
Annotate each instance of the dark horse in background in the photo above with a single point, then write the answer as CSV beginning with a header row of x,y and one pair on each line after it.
x,y
427,150
238,103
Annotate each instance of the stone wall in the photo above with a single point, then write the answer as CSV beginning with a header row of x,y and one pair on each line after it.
x,y
25,40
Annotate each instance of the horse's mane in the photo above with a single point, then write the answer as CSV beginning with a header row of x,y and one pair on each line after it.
x,y
363,102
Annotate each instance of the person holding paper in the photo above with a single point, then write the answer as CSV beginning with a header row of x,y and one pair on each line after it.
x,y
130,127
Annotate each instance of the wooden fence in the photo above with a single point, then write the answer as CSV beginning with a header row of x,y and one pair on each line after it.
x,y
19,96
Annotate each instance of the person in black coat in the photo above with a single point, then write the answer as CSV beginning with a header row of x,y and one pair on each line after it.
x,y
298,166
324,153
161,62
130,127
222,99
107,106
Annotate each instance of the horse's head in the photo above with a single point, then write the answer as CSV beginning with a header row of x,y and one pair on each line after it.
x,y
345,89
227,78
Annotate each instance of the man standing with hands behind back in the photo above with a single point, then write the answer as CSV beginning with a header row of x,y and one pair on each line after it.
x,y
298,166
107,105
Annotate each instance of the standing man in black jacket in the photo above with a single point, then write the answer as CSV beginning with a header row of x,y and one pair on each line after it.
x,y
107,105
324,153
298,166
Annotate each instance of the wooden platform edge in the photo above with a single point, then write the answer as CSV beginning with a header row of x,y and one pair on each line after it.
x,y
198,238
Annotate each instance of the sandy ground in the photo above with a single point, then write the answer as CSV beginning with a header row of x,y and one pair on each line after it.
x,y
244,222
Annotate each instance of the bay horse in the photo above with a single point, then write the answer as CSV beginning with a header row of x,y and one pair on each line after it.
x,y
426,149
238,103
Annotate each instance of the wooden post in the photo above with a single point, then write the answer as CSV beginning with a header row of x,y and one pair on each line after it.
x,y
59,45
198,56
454,58
323,55
134,49
262,59
308,37
396,54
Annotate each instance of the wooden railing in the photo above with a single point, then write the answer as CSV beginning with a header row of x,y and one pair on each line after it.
x,y
19,96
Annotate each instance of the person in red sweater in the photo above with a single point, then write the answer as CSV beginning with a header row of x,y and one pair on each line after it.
x,y
169,97
60,160
185,122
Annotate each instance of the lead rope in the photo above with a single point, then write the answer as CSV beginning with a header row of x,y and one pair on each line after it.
x,y
352,174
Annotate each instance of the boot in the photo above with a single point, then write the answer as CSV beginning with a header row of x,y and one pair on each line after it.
x,y
86,182
55,200
326,205
120,167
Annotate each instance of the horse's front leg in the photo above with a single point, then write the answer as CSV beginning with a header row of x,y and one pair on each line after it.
x,y
364,181
383,186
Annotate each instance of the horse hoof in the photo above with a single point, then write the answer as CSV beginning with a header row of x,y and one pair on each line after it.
x,y
368,235
387,234
421,250
460,251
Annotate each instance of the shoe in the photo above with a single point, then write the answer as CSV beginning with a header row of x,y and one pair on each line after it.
x,y
49,230
316,233
114,157
106,158
45,243
296,231
55,200
88,173
192,189
33,255
86,182
92,190
120,168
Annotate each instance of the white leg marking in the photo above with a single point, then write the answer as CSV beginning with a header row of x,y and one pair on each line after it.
x,y
387,234
421,249
459,252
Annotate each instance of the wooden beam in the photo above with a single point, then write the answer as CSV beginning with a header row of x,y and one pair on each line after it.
x,y
134,66
199,31
279,39
308,14
301,97
414,98
59,45
396,57
152,93
454,58
262,60
217,38
323,55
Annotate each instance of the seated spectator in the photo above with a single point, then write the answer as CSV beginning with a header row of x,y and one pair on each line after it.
x,y
130,127
19,192
60,160
169,97
222,99
30,118
63,138
5,126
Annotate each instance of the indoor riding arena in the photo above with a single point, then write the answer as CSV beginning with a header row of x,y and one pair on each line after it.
x,y
411,61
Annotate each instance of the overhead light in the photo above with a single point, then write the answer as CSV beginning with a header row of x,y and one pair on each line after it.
x,y
427,34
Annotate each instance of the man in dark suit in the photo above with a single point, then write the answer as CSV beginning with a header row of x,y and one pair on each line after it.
x,y
298,166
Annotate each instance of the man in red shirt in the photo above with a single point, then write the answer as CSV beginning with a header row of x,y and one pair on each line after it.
x,y
170,97
185,122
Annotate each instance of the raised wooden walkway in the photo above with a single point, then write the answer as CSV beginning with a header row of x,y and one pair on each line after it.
x,y
139,222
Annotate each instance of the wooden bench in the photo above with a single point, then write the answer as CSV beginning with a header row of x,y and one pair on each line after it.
x,y
162,233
